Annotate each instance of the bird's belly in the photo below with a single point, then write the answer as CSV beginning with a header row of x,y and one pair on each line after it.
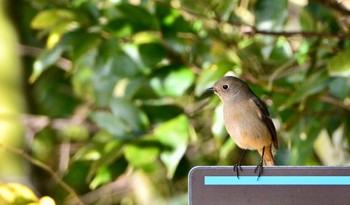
x,y
249,134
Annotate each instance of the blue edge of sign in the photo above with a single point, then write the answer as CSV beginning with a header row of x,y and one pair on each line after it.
x,y
277,180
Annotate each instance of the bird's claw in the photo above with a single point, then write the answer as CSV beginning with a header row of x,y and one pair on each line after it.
x,y
236,168
259,169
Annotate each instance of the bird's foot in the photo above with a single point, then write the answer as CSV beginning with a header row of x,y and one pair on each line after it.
x,y
236,169
259,169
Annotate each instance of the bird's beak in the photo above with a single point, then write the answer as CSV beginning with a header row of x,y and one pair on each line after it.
x,y
212,89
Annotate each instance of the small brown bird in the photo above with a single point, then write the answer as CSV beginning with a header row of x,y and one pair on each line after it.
x,y
247,120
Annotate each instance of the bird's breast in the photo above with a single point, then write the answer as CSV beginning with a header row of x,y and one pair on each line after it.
x,y
243,123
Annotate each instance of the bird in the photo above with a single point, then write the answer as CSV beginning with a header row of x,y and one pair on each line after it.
x,y
247,120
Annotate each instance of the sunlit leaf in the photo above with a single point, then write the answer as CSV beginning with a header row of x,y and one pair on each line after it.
x,y
172,81
46,59
139,155
226,149
307,21
109,173
46,200
75,132
14,193
218,126
109,153
49,18
339,65
174,135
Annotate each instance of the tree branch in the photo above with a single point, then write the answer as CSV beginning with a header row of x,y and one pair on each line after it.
x,y
334,5
45,167
336,102
251,31
25,50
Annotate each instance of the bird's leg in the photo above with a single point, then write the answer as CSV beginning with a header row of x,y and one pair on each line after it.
x,y
259,167
237,166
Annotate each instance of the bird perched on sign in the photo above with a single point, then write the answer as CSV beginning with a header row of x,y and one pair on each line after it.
x,y
247,120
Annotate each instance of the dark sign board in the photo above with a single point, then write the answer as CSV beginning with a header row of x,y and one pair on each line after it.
x,y
278,185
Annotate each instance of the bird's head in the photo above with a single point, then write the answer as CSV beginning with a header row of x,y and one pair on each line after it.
x,y
230,89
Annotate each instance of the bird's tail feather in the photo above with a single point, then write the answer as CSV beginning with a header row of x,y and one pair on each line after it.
x,y
268,157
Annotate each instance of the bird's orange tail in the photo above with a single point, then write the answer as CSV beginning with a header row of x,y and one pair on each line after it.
x,y
268,157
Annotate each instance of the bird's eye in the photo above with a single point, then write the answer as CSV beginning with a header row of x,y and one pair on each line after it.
x,y
225,87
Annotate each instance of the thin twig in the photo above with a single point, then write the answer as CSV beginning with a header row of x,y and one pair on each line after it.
x,y
306,34
335,6
336,102
25,50
45,167
251,31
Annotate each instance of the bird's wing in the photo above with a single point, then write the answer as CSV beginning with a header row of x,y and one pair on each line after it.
x,y
265,117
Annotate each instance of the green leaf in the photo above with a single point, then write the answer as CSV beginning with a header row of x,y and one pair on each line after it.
x,y
302,152
87,153
53,90
140,155
307,21
111,123
114,62
157,115
172,81
224,8
136,120
151,54
103,86
112,65
174,135
108,154
138,16
75,132
76,175
339,65
324,16
339,87
131,19
82,46
46,59
109,173
209,76
83,75
218,126
125,122
315,83
271,14
281,52
49,18
226,148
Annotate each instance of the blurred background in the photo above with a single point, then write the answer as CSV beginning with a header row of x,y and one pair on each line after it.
x,y
104,102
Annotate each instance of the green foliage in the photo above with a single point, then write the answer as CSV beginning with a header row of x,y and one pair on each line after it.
x,y
134,88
